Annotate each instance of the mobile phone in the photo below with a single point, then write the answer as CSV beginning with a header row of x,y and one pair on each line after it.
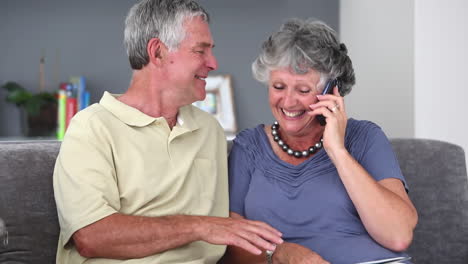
x,y
327,90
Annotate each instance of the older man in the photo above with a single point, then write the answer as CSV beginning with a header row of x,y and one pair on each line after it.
x,y
142,177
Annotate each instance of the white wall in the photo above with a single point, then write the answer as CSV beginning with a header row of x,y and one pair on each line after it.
x,y
411,59
379,37
441,69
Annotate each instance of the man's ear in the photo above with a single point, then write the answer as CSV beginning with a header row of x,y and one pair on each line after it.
x,y
156,49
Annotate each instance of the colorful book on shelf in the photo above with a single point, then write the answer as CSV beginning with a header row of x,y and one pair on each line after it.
x,y
71,106
86,99
61,118
82,96
72,97
79,85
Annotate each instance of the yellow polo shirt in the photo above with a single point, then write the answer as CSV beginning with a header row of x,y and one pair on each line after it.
x,y
115,158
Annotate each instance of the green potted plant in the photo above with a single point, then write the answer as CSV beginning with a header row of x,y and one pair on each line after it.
x,y
39,110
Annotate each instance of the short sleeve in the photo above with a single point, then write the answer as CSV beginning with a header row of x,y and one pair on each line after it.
x,y
239,178
378,157
85,184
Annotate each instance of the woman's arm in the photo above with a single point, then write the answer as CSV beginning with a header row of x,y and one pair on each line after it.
x,y
384,207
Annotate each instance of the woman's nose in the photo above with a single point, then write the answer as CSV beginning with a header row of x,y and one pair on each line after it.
x,y
289,100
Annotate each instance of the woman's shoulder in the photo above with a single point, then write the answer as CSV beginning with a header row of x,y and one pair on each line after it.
x,y
360,133
250,136
357,128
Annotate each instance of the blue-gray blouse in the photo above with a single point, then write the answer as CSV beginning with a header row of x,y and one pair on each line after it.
x,y
308,202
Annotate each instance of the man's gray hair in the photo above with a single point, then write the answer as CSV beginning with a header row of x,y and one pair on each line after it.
x,y
301,45
161,19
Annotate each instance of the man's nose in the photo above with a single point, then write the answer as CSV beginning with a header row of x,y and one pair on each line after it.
x,y
212,63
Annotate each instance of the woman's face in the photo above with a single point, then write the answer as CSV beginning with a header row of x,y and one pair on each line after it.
x,y
290,96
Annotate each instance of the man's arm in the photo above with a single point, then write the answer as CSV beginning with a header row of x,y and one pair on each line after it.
x,y
284,253
121,236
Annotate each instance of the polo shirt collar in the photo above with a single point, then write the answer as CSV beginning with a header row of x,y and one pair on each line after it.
x,y
134,117
185,118
127,114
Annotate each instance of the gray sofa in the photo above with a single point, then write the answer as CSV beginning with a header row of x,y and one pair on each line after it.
x,y
435,171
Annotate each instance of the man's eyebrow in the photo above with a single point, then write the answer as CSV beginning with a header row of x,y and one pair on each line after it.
x,y
205,45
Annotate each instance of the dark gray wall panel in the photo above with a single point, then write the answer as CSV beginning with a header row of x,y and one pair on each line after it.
x,y
88,35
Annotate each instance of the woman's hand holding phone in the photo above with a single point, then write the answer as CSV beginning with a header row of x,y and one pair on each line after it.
x,y
331,107
328,89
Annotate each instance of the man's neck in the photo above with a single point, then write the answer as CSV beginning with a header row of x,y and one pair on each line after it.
x,y
145,95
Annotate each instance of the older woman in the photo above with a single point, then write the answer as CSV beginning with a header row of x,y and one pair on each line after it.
x,y
335,190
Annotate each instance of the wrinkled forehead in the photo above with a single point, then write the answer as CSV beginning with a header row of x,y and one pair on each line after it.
x,y
312,77
289,72
197,32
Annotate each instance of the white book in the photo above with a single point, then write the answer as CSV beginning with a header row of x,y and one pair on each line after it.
x,y
386,261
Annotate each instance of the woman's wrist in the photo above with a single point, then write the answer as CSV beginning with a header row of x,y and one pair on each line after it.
x,y
337,154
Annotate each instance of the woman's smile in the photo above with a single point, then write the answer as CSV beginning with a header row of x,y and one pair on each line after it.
x,y
293,114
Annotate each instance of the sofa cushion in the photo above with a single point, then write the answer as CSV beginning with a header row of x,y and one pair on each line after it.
x,y
437,178
434,170
27,204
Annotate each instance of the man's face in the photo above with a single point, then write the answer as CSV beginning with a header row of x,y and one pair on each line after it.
x,y
189,65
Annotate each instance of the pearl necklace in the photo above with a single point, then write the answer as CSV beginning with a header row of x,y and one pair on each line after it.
x,y
298,154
